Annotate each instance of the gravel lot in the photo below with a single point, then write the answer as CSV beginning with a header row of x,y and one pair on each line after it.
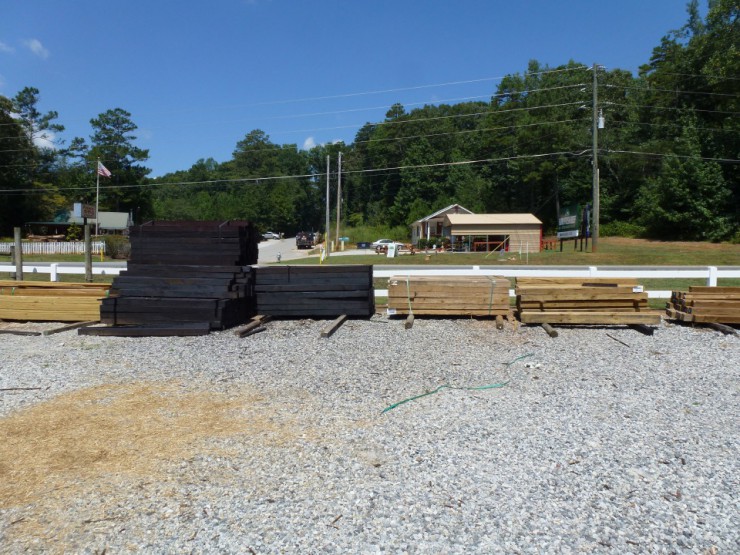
x,y
603,440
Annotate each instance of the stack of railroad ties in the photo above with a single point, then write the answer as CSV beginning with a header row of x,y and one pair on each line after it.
x,y
597,301
37,301
481,296
188,278
718,305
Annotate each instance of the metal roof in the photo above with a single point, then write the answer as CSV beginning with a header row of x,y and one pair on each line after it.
x,y
491,219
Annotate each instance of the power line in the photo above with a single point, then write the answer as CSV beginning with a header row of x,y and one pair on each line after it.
x,y
399,89
671,108
676,91
257,180
669,155
674,125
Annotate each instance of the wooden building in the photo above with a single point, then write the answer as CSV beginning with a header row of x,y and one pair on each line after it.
x,y
491,232
433,224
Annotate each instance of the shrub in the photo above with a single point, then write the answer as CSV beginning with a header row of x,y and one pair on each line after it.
x,y
117,246
621,229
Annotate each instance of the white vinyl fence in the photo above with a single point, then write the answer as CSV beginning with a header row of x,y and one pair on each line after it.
x,y
709,274
59,247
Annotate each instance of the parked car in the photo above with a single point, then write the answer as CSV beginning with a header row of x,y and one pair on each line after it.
x,y
383,243
270,235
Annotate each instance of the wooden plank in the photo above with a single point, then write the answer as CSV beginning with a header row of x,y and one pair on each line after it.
x,y
450,312
51,309
52,285
713,290
569,282
409,323
609,318
727,330
74,326
20,332
584,293
549,330
169,330
329,330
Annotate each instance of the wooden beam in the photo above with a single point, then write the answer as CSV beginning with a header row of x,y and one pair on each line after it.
x,y
329,330
69,327
727,330
607,318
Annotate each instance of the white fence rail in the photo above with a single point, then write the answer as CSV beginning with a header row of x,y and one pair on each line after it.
x,y
58,247
709,274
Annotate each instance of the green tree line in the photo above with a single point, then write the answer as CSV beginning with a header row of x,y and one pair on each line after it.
x,y
668,153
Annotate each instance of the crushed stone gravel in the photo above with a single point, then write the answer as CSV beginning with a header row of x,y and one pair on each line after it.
x,y
602,440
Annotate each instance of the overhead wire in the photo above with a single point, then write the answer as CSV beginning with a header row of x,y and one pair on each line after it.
x,y
303,176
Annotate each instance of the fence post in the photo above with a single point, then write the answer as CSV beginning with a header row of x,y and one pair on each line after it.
x,y
712,278
88,255
18,258
54,267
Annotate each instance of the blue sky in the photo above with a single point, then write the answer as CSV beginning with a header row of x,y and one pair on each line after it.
x,y
198,76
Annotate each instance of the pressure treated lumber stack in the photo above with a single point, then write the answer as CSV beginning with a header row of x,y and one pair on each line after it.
x,y
184,273
51,301
583,301
720,305
314,291
449,296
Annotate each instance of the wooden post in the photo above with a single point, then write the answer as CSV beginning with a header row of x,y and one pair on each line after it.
x,y
18,257
334,326
88,254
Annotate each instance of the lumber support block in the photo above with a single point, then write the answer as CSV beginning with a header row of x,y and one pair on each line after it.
x,y
409,322
329,330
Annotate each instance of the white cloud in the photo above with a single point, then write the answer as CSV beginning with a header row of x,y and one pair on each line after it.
x,y
5,48
309,143
45,140
35,46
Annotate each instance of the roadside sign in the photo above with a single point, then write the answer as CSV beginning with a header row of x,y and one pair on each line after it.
x,y
80,210
569,222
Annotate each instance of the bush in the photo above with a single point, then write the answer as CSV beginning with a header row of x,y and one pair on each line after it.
x,y
621,229
117,246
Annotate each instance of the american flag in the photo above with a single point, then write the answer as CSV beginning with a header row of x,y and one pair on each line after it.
x,y
102,170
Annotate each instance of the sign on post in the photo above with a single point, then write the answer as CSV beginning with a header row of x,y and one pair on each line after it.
x,y
569,222
80,210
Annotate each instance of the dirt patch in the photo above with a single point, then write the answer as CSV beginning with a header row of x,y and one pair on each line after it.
x,y
132,430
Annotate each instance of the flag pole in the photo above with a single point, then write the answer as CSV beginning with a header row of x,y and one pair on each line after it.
x,y
97,197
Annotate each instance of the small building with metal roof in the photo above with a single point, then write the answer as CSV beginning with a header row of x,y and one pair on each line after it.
x,y
490,232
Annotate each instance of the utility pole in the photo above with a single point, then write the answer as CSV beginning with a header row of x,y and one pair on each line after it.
x,y
339,193
326,239
595,164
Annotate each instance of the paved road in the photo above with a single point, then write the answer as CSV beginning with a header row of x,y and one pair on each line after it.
x,y
271,248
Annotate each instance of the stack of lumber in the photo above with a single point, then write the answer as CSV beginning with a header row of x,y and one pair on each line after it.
x,y
720,305
183,273
314,291
51,301
583,301
449,295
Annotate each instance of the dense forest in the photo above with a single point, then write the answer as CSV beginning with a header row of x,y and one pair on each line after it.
x,y
667,153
